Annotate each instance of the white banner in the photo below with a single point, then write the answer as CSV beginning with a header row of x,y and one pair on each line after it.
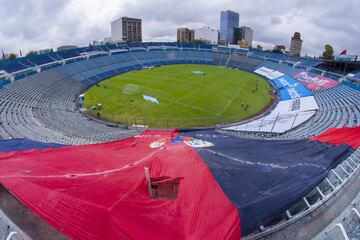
x,y
287,115
269,73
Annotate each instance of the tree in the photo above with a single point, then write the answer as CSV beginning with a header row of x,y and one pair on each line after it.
x,y
200,41
276,50
12,56
329,52
31,53
244,44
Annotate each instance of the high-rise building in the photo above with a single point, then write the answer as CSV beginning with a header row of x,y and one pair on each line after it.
x,y
126,29
185,35
296,43
229,20
207,35
243,33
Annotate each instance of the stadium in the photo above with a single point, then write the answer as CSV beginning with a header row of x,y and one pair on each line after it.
x,y
168,140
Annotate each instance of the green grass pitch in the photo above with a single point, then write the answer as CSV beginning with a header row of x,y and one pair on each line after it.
x,y
186,99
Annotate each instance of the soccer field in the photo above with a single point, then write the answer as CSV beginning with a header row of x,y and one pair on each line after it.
x,y
186,98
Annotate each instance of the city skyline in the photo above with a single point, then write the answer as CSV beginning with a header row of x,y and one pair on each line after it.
x,y
32,25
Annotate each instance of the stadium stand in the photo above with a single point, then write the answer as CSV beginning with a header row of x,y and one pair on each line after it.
x,y
39,101
338,107
9,230
284,68
43,107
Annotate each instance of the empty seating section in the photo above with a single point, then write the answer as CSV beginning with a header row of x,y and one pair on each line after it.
x,y
243,62
4,82
306,62
67,54
90,72
55,89
284,68
338,107
39,60
43,106
221,59
13,66
346,225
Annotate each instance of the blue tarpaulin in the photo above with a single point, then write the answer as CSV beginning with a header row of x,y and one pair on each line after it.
x,y
24,144
264,178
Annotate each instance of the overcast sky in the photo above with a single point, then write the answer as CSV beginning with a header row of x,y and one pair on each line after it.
x,y
39,24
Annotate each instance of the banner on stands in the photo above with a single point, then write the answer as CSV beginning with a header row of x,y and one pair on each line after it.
x,y
287,115
268,73
315,82
289,88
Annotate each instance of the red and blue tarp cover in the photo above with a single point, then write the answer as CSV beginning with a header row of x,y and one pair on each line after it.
x,y
24,144
228,186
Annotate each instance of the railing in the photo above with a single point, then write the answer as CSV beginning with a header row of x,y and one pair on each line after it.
x,y
11,235
331,185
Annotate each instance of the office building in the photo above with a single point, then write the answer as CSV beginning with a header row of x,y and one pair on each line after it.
x,y
185,35
126,29
243,33
229,20
296,43
207,35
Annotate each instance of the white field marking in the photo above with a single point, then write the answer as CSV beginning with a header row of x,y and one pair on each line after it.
x,y
189,94
168,98
227,106
193,107
233,98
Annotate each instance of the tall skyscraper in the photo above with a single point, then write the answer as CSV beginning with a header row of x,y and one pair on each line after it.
x,y
243,33
296,43
126,29
229,20
185,35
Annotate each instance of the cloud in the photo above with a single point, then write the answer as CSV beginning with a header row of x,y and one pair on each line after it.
x,y
275,20
28,24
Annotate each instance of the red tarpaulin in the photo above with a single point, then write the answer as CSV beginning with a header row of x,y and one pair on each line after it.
x,y
100,192
349,136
